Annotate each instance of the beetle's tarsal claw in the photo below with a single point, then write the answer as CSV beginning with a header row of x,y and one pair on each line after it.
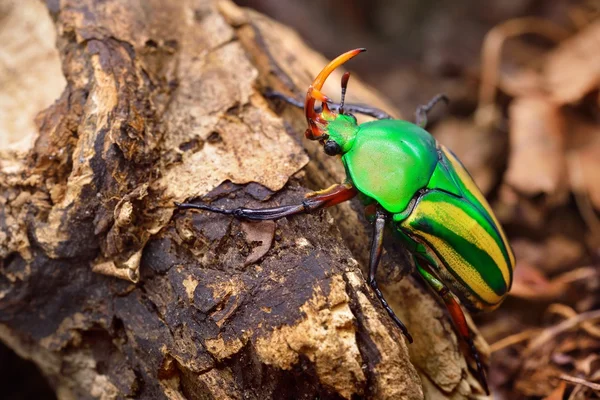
x,y
407,335
386,306
480,372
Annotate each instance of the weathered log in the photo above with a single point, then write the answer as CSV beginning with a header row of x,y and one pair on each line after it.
x,y
114,294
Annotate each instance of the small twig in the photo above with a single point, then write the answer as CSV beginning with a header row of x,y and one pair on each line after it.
x,y
513,339
579,381
568,312
575,275
575,393
570,323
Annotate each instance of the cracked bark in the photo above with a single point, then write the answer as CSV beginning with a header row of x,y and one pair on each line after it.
x,y
112,294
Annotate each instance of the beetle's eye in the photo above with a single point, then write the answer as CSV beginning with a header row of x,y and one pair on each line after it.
x,y
353,117
332,148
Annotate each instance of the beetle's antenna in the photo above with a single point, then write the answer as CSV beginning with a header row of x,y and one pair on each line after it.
x,y
345,79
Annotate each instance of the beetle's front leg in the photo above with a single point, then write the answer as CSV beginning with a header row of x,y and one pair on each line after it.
x,y
348,108
457,315
375,256
421,113
314,201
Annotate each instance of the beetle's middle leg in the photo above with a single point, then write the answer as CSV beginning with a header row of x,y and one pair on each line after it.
x,y
331,196
457,315
375,256
348,108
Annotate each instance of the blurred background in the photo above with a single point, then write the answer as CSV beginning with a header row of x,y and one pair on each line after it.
x,y
523,79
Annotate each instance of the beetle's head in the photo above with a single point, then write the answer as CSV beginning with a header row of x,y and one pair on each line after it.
x,y
334,129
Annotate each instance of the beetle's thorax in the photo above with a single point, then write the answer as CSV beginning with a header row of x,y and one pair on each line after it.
x,y
390,160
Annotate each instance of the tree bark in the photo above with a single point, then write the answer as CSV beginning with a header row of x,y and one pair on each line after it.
x,y
114,294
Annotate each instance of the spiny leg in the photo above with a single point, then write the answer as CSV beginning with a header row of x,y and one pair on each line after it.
x,y
348,108
314,201
458,316
421,113
375,256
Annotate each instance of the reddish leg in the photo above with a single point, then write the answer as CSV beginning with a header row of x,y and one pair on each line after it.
x,y
458,317
314,201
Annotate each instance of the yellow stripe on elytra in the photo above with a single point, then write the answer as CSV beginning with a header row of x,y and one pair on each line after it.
x,y
467,273
472,187
456,220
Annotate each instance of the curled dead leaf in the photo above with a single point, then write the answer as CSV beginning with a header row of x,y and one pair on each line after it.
x,y
584,164
573,69
537,163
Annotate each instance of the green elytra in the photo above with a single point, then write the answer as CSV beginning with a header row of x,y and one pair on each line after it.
x,y
419,189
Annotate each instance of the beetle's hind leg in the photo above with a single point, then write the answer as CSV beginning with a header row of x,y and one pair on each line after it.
x,y
457,315
348,108
375,256
314,201
421,113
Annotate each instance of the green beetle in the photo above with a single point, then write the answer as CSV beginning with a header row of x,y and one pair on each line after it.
x,y
415,186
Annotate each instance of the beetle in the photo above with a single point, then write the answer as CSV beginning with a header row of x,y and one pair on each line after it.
x,y
417,187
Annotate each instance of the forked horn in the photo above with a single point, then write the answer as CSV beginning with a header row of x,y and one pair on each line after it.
x,y
315,120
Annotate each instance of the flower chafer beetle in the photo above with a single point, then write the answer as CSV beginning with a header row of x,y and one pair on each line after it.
x,y
415,186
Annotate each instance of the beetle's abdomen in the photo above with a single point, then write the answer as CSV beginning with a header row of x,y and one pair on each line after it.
x,y
463,240
390,160
465,243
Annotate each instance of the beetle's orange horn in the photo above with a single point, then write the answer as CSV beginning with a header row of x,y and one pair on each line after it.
x,y
317,121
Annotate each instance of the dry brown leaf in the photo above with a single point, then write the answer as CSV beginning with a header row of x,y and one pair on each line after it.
x,y
536,163
556,253
584,164
262,232
573,69
530,283
521,82
538,379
